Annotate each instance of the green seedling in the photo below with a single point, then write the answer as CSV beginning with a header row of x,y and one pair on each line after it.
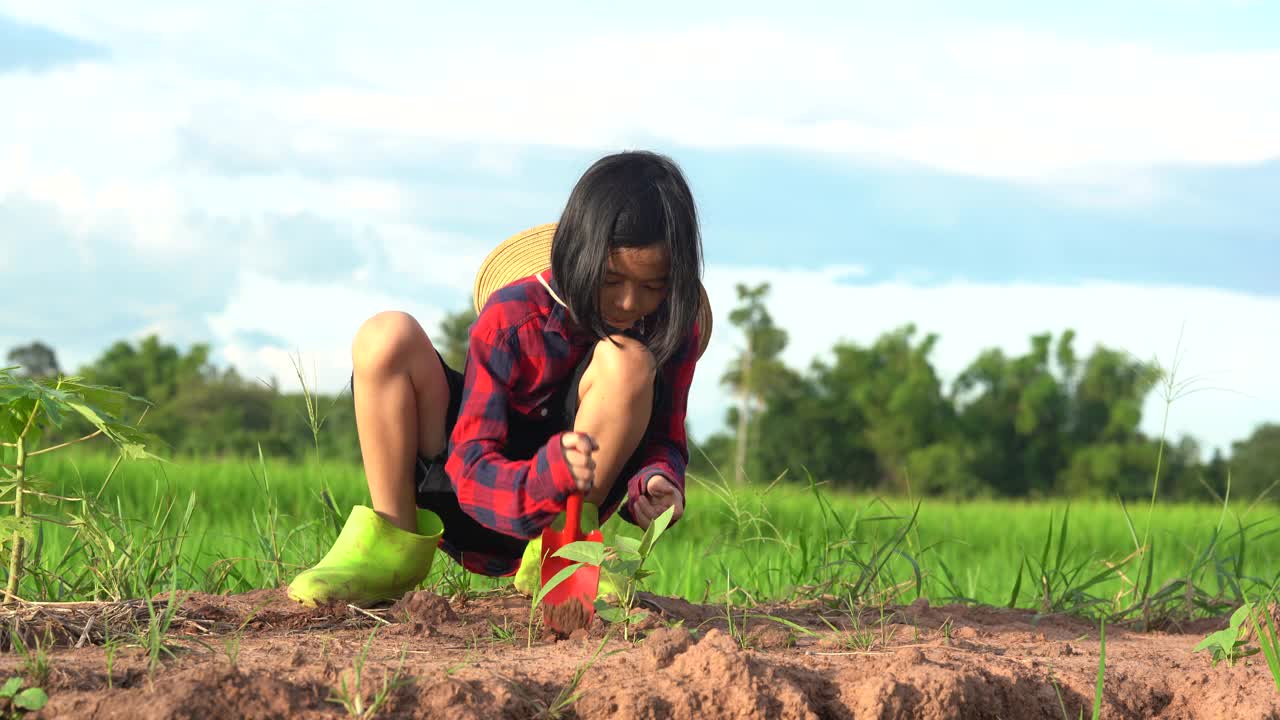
x,y
626,567
17,701
1227,644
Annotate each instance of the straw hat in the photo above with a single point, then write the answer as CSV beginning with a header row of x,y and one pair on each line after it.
x,y
529,252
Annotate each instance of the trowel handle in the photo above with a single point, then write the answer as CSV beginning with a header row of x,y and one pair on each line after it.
x,y
573,515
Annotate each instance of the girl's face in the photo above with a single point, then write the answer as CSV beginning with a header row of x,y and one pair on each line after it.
x,y
635,284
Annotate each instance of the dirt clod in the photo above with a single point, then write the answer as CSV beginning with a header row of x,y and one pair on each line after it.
x,y
663,645
423,608
567,617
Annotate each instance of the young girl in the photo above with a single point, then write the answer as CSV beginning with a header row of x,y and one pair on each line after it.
x,y
576,380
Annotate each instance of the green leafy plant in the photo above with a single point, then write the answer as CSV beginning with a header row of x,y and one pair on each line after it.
x,y
17,701
1227,644
28,408
626,568
624,564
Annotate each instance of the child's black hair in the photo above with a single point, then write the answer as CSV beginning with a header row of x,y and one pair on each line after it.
x,y
630,200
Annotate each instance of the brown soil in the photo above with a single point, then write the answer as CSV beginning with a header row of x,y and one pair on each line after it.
x,y
469,659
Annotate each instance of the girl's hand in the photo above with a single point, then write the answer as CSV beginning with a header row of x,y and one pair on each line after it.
x,y
578,448
660,494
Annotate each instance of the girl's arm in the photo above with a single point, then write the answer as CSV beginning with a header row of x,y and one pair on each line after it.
x,y
666,452
514,497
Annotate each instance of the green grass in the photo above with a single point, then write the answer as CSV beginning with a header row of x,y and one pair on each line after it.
x,y
238,525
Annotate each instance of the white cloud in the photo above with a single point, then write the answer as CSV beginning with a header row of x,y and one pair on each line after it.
x,y
1003,103
991,102
1227,347
1227,339
315,321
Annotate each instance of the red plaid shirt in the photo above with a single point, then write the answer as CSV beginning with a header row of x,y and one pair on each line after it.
x,y
522,348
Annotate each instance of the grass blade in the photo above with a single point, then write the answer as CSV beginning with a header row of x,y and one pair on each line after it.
x,y
1268,639
1102,670
1017,585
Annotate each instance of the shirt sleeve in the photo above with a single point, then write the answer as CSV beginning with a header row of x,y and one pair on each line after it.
x,y
514,497
666,452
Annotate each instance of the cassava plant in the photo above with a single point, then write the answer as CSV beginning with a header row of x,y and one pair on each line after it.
x,y
624,564
30,409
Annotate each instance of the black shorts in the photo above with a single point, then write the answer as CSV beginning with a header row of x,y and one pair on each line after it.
x,y
434,491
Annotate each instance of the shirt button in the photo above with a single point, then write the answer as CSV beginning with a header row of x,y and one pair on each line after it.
x,y
544,412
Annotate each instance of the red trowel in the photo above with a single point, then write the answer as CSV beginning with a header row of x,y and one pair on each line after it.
x,y
570,605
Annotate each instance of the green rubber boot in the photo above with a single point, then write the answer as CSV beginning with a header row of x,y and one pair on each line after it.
x,y
528,579
371,561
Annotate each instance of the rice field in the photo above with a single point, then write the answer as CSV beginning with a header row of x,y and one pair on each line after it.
x,y
234,526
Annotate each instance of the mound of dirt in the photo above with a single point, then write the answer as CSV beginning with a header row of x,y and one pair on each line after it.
x,y
423,610
210,692
712,678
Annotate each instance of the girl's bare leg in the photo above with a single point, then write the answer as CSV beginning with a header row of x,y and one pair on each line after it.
x,y
615,399
401,401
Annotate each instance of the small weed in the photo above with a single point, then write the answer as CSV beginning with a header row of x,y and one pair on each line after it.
x,y
1097,690
856,638
152,637
1102,671
502,633
16,702
1227,644
561,705
454,583
1269,641
569,694
231,644
36,665
353,696
471,658
110,646
737,630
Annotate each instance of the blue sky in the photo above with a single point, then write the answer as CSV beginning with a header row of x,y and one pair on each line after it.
x,y
263,178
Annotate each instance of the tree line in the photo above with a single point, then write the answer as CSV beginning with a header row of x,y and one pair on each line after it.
x,y
1049,421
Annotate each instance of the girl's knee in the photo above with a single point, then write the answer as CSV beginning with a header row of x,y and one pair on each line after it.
x,y
384,341
625,361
